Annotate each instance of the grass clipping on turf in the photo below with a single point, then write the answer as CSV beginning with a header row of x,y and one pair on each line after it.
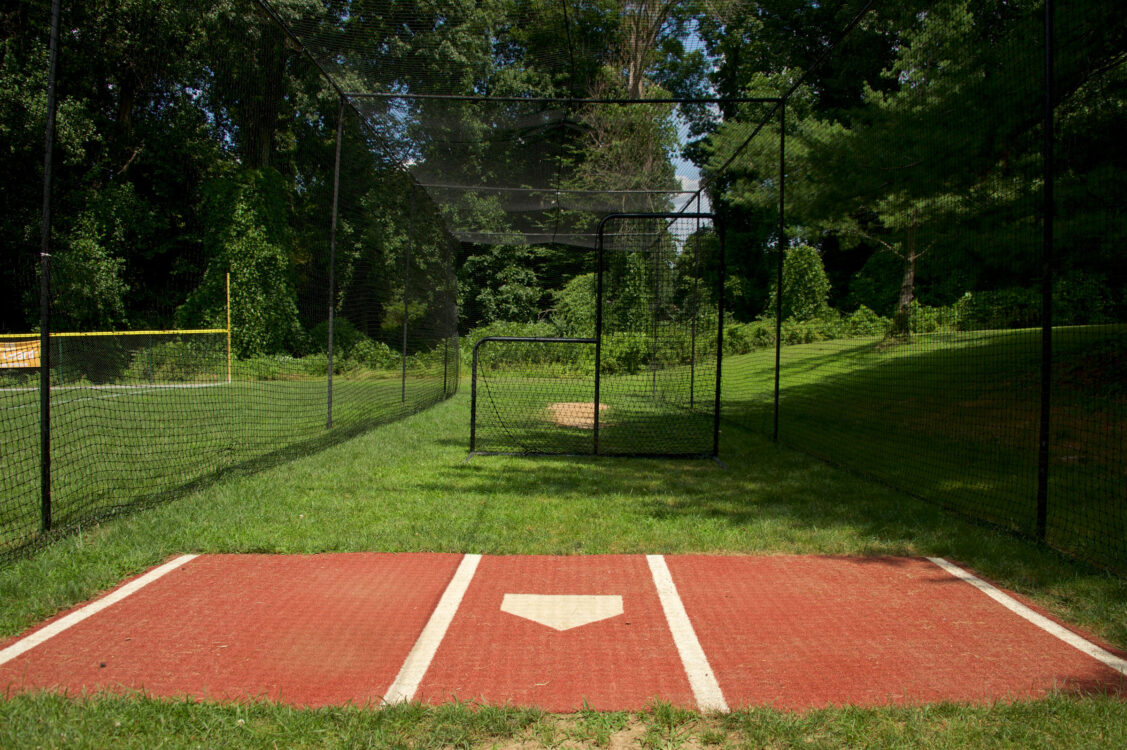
x,y
580,414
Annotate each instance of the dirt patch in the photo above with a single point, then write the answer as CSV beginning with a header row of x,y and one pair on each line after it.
x,y
580,414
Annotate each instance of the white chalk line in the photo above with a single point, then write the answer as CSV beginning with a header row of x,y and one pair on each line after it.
x,y
1072,639
415,666
702,679
64,623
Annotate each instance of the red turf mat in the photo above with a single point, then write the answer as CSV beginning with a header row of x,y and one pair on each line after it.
x,y
806,632
786,631
305,629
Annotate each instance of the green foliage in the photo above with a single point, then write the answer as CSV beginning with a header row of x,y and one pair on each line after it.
x,y
248,237
89,293
633,307
1015,307
1084,298
865,322
806,288
374,355
497,354
500,285
575,307
345,337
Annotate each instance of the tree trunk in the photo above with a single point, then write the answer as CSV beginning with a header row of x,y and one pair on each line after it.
x,y
901,324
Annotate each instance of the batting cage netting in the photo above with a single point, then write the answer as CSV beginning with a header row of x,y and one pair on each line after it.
x,y
634,369
887,234
236,276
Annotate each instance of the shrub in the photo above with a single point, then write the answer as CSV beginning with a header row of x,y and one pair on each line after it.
x,y
1080,299
624,352
345,337
1016,307
374,355
806,288
865,322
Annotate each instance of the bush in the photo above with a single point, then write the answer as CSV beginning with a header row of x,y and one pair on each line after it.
x,y
1003,308
374,355
806,288
865,322
1081,299
625,352
569,355
345,337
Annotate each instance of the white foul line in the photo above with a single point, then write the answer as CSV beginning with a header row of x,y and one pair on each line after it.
x,y
706,689
418,661
1064,634
63,623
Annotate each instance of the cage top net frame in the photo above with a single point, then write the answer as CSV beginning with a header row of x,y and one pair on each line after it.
x,y
518,167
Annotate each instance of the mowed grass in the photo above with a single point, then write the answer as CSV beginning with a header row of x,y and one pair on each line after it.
x,y
406,486
955,419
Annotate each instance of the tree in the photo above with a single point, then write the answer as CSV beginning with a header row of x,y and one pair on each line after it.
x,y
806,288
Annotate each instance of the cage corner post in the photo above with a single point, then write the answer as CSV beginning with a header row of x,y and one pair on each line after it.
x,y
719,338
333,258
782,241
45,281
1047,264
407,288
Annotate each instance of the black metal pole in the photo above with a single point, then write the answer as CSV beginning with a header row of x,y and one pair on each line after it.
x,y
719,341
333,255
598,327
45,282
445,316
693,318
1048,211
782,256
473,399
407,285
654,312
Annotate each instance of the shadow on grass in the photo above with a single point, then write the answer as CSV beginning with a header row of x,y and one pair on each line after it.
x,y
957,424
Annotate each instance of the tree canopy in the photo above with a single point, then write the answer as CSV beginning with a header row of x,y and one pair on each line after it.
x,y
197,139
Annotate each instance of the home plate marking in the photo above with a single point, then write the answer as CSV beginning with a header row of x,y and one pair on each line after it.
x,y
562,611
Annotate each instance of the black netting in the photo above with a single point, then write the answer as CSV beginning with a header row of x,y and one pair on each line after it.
x,y
220,294
914,343
941,274
627,365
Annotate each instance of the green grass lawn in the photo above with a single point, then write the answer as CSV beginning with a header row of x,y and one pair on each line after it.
x,y
114,447
407,487
954,418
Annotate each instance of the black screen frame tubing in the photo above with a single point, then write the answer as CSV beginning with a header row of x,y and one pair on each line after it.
x,y
563,101
1047,263
779,270
519,339
45,279
333,256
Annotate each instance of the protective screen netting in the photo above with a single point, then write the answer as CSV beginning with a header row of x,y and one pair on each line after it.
x,y
528,140
905,274
637,373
